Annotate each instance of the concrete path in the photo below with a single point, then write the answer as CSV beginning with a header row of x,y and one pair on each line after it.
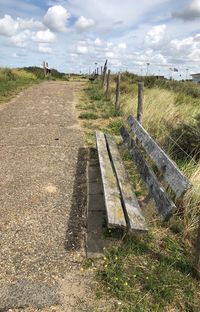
x,y
42,198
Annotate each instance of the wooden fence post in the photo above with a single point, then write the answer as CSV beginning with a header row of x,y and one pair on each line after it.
x,y
117,103
104,76
104,72
101,70
140,101
197,256
44,67
108,83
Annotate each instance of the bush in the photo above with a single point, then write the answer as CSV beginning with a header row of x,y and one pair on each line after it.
x,y
39,72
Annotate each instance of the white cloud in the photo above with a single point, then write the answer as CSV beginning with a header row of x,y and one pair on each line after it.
x,y
8,26
195,55
20,40
56,18
183,48
29,24
82,50
98,42
197,37
83,23
44,36
122,46
110,54
191,12
113,13
44,48
155,36
158,59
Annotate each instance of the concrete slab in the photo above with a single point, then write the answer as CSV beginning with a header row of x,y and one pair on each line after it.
x,y
94,173
96,202
96,213
95,188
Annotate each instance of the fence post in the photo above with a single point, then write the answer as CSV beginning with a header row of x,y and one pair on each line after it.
x,y
140,101
44,67
197,259
104,76
104,72
101,70
108,83
117,103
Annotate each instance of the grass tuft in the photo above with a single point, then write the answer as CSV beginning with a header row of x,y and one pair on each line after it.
x,y
88,116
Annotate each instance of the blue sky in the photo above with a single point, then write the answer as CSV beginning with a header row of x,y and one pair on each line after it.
x,y
72,35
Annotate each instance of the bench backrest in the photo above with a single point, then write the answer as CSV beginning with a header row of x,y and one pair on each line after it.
x,y
170,172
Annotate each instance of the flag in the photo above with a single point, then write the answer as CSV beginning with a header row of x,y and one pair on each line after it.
x,y
175,69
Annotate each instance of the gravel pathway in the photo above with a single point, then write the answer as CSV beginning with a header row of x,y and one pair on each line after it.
x,y
42,199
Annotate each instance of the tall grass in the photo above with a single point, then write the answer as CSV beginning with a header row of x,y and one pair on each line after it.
x,y
171,116
13,80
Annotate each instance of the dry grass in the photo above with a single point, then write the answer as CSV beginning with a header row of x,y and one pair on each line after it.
x,y
191,204
161,114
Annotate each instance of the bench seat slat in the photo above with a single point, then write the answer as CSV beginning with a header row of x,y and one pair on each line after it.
x,y
133,213
115,214
164,205
178,182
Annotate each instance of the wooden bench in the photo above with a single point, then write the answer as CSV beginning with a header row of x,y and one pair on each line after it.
x,y
122,207
121,203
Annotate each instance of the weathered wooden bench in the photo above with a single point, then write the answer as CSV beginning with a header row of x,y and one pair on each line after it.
x,y
121,204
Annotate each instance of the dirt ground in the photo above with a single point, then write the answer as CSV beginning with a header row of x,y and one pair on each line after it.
x,y
42,203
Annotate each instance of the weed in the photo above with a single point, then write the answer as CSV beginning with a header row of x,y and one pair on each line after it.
x,y
149,281
88,116
115,126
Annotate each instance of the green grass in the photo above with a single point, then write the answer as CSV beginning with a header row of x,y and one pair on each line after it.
x,y
13,81
88,116
146,276
98,102
153,273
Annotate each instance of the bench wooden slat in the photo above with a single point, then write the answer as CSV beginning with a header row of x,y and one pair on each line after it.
x,y
133,213
115,214
178,182
164,205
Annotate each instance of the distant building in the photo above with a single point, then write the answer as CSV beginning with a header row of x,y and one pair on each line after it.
x,y
160,77
196,78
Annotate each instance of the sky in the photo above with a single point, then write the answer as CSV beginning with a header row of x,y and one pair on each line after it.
x,y
73,35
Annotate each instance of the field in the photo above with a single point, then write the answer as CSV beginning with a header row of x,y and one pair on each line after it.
x,y
153,273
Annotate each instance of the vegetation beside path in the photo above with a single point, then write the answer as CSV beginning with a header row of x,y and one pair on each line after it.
x,y
155,272
12,81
